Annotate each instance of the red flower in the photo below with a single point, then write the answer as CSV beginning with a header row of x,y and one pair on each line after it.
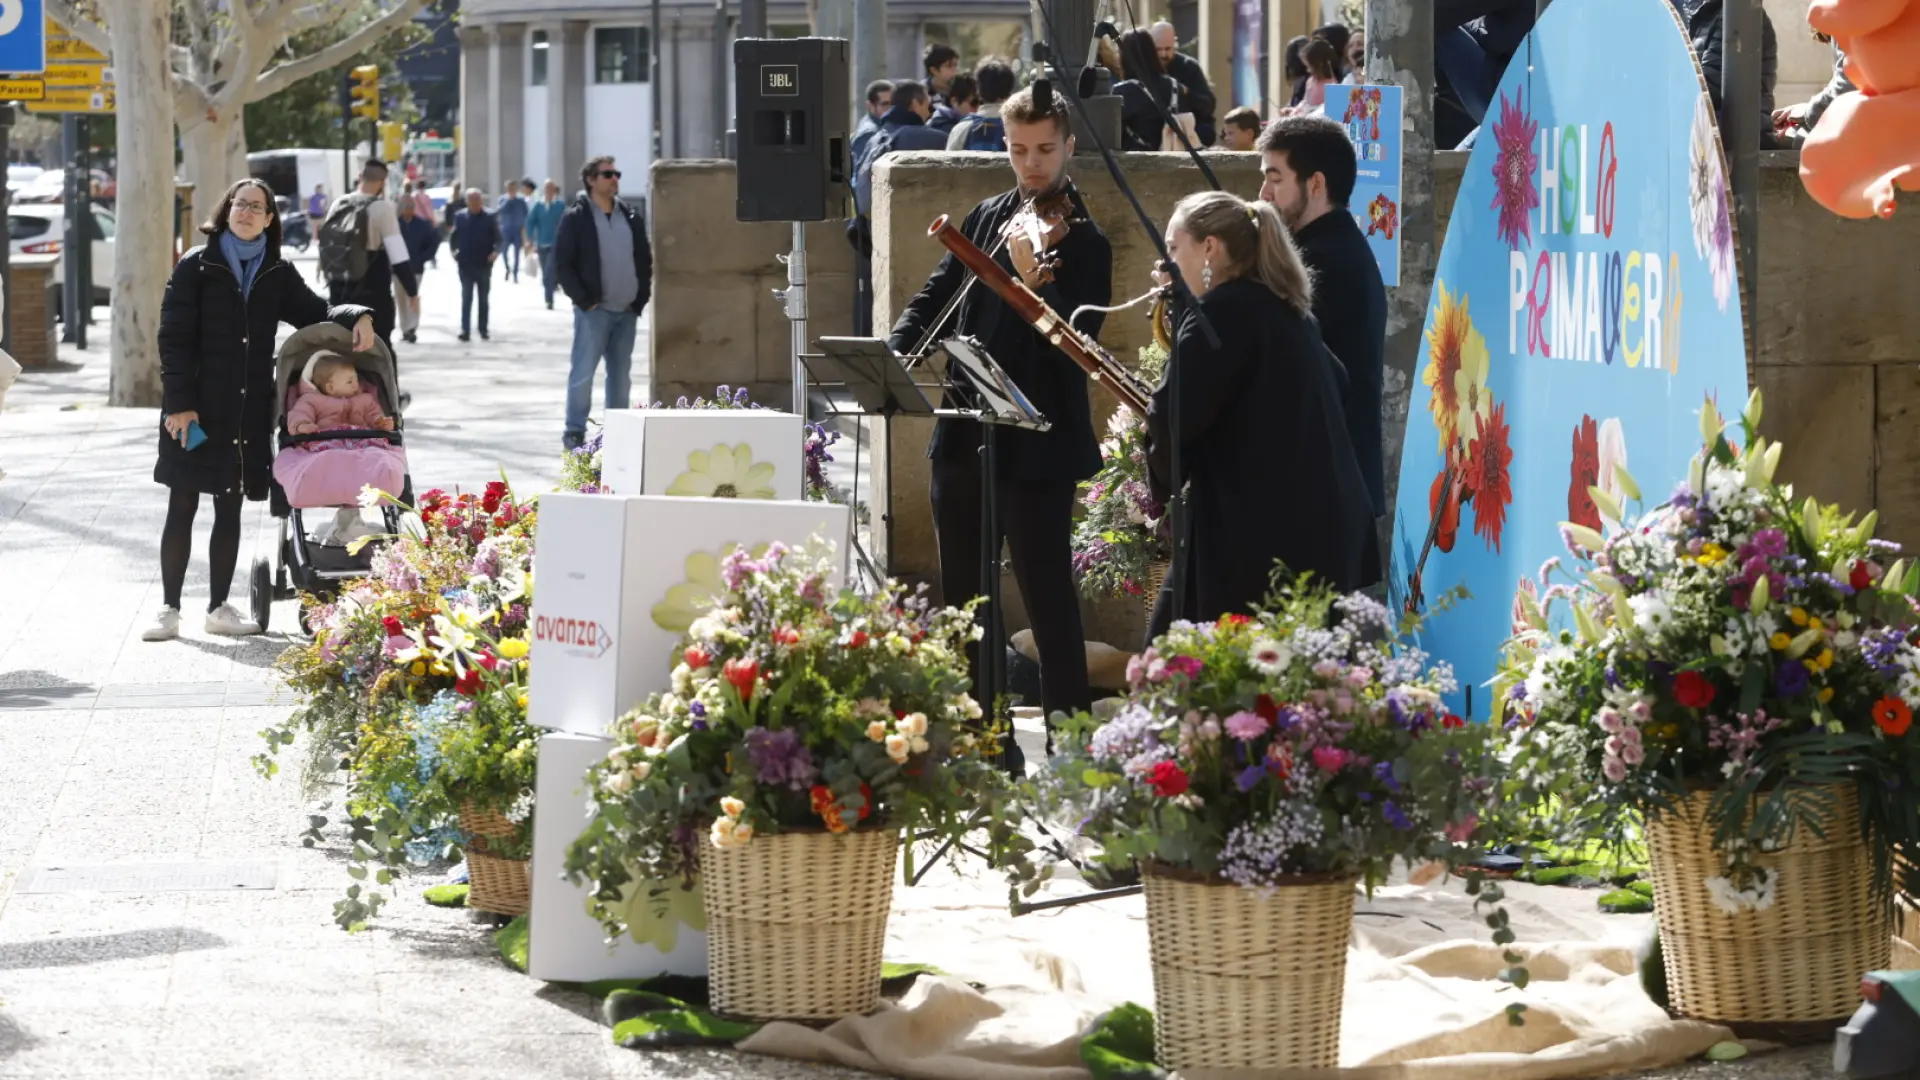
x,y
696,659
1452,720
1488,459
393,626
857,640
786,635
1692,689
1862,575
741,673
1586,473
468,684
828,809
1234,620
486,660
496,490
1167,779
477,534
1892,715
1264,707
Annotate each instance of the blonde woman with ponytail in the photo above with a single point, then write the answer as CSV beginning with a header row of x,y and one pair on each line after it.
x,y
1272,475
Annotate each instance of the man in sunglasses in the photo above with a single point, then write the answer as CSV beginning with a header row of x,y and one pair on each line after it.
x,y
603,264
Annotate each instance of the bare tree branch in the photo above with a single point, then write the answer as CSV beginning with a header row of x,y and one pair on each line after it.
x,y
80,26
284,75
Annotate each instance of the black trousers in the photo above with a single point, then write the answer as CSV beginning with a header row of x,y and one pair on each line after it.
x,y
375,291
176,545
475,277
1036,520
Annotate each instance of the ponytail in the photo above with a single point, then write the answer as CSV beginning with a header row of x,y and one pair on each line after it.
x,y
1279,266
1257,242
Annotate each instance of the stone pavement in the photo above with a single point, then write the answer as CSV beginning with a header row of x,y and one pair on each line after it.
x,y
116,754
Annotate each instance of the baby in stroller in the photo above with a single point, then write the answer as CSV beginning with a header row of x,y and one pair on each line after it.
x,y
337,401
338,393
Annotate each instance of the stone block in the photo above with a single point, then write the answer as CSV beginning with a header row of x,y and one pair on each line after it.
x,y
1832,291
705,329
1824,417
1897,428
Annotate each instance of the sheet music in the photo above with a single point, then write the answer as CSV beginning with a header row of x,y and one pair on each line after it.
x,y
1001,400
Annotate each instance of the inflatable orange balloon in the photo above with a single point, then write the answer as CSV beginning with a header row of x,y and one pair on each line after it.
x,y
1867,144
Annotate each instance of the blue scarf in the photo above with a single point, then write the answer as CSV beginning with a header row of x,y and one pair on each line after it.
x,y
244,258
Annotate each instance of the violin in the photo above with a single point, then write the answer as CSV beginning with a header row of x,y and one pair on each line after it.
x,y
1039,222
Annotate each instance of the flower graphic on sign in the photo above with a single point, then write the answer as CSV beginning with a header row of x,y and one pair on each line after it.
x,y
1586,473
1456,370
1382,216
1488,458
1613,456
691,598
725,472
1708,201
1515,195
656,910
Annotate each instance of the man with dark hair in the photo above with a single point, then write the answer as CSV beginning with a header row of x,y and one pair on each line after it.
x,y
963,99
1196,96
1036,473
983,130
374,219
1309,167
1239,129
941,63
879,100
904,127
605,267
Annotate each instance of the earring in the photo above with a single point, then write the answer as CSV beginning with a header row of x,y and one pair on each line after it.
x,y
1206,276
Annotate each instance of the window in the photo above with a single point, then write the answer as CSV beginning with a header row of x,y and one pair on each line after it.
x,y
102,225
620,54
538,76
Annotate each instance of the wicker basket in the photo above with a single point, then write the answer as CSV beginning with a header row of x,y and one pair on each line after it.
x,y
1246,980
1156,577
496,885
1906,937
1800,960
796,923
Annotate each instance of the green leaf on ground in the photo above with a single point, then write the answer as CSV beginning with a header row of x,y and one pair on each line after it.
x,y
1120,1046
447,895
897,979
1726,1051
1626,902
1643,887
679,1027
511,940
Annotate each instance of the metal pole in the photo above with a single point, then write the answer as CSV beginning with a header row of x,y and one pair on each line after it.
x,y
1740,113
6,259
753,18
346,134
869,43
72,238
797,312
653,73
1400,53
85,129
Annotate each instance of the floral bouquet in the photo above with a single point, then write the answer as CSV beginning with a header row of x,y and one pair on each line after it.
x,y
1731,641
796,707
1299,741
1119,537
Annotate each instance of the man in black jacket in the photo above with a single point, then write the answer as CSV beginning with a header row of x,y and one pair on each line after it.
x,y
1196,96
1036,473
1309,166
605,267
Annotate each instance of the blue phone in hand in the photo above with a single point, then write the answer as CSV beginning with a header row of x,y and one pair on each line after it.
x,y
195,435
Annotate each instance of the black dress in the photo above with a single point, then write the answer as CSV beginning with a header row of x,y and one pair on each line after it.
x,y
1274,478
217,359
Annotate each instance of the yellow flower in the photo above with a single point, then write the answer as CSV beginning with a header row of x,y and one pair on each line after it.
x,y
523,701
1714,555
1826,694
513,648
1813,624
1456,370
1813,666
1799,616
725,472
1779,641
418,669
1825,659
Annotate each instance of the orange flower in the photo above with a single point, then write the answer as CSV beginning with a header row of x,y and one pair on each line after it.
x,y
1892,715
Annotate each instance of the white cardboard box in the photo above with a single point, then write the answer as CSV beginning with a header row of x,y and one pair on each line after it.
x,y
732,453
617,580
565,943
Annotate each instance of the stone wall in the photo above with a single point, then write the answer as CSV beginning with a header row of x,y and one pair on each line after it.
x,y
715,318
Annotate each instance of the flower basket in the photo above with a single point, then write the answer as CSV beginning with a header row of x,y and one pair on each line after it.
x,y
498,885
1246,979
796,923
1156,577
1906,938
1797,960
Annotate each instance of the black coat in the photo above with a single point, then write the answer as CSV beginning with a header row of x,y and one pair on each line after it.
x,y
1350,304
217,359
1054,384
1264,444
1196,96
576,253
1142,121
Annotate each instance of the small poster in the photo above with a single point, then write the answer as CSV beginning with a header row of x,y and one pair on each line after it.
x,y
1371,115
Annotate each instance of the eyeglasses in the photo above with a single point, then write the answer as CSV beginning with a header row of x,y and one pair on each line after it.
x,y
609,174
241,206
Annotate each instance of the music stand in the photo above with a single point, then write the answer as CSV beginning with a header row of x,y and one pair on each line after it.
x,y
869,370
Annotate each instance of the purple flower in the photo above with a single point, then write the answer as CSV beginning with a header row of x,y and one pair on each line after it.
x,y
1383,772
1790,678
1249,777
696,708
779,757
1395,816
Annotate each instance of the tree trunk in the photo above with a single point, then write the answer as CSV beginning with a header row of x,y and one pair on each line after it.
x,y
214,155
143,247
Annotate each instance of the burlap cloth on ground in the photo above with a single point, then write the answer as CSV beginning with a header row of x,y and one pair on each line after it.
x,y
1423,998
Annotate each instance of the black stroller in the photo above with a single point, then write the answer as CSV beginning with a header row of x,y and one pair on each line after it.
x,y
300,563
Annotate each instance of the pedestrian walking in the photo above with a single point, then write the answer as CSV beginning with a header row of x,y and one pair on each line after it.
x,y
543,230
512,213
317,204
422,203
361,251
423,242
606,268
475,245
217,326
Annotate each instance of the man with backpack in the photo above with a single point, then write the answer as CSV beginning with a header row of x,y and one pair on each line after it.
x,y
963,100
984,130
362,251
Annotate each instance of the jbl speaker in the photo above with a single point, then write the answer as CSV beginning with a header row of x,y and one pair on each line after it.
x,y
793,101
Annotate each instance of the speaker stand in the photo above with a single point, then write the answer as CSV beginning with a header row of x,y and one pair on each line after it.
x,y
795,295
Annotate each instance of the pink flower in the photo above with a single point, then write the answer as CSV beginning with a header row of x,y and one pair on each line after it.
x,y
1609,719
1184,665
1514,165
1246,726
1633,753
1462,831
1359,676
1615,769
1331,758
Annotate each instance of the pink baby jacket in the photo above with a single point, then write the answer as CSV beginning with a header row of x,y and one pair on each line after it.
x,y
359,412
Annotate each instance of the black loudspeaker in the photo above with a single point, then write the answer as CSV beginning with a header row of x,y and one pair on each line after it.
x,y
793,101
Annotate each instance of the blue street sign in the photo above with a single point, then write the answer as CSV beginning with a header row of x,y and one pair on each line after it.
x,y
23,36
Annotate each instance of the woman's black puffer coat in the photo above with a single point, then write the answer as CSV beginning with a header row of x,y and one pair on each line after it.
x,y
217,357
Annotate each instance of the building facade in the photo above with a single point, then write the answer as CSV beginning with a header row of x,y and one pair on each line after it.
x,y
543,84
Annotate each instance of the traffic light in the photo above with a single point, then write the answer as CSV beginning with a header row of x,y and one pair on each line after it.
x,y
365,92
392,139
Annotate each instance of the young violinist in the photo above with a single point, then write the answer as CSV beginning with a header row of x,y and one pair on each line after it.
x,y
1263,437
1040,232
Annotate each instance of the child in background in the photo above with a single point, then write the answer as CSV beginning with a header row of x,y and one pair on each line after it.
x,y
1319,58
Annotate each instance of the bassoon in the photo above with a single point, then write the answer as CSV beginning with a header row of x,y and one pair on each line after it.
x,y
1098,363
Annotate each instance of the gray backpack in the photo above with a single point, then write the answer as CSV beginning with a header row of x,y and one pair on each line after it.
x,y
343,239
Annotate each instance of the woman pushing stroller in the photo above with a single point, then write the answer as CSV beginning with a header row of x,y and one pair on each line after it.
x,y
217,326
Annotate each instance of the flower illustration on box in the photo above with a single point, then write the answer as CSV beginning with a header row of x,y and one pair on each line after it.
x,y
1708,200
1515,194
725,472
656,910
692,598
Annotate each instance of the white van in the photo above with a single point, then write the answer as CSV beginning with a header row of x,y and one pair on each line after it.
x,y
294,173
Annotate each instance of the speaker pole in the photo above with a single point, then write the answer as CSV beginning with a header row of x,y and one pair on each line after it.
x,y
796,298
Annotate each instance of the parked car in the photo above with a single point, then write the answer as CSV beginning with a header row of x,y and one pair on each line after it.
x,y
40,229
50,187
18,176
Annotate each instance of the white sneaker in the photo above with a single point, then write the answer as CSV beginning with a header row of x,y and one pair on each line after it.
x,y
165,628
225,621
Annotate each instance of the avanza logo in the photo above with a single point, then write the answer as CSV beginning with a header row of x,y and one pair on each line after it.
x,y
575,633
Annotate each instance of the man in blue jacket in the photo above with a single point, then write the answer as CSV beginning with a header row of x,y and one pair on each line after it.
x,y
543,228
512,212
423,241
606,268
475,243
903,127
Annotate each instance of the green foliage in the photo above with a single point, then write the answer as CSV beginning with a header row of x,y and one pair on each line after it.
x,y
1120,1046
307,113
1121,532
447,895
1625,902
511,940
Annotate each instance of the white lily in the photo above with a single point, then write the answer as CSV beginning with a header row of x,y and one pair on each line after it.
x,y
1603,501
1709,423
1628,485
1585,537
452,642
